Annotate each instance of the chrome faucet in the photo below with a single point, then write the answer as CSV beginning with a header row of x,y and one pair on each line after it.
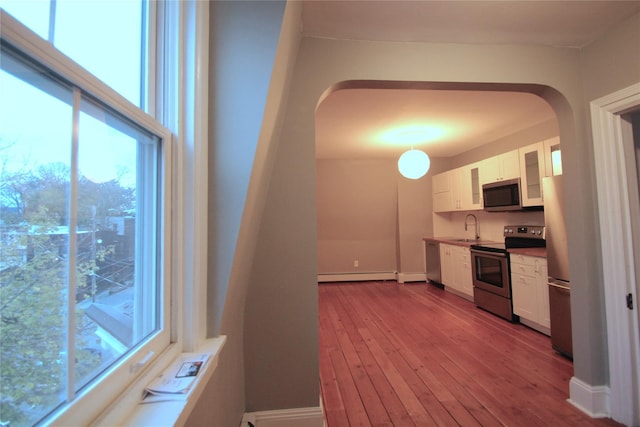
x,y
477,236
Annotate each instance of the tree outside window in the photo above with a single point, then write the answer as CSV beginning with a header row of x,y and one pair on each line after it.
x,y
80,221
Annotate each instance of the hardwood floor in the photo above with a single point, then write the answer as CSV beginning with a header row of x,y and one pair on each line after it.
x,y
414,355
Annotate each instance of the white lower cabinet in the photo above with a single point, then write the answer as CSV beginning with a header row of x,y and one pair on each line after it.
x,y
530,292
446,263
455,266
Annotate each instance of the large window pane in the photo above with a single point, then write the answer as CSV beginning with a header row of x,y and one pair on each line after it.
x,y
80,282
112,253
108,38
105,37
35,130
33,13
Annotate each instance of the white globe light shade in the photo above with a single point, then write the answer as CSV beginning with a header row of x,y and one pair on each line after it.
x,y
414,164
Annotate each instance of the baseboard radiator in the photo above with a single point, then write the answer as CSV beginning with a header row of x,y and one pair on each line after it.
x,y
372,276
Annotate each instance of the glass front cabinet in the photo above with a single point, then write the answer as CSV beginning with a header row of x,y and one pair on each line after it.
x,y
537,161
532,169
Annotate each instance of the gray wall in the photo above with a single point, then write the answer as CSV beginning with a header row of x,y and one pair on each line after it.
x,y
610,64
252,48
551,72
368,212
357,215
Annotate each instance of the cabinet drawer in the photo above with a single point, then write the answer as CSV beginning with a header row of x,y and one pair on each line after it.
x,y
523,259
525,269
463,257
522,280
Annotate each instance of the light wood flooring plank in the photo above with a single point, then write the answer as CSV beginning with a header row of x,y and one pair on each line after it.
x,y
405,355
395,409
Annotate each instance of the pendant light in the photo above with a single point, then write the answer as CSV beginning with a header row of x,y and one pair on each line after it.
x,y
414,164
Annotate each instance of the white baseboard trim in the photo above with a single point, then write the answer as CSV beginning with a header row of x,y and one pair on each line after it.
x,y
296,417
458,293
535,325
592,400
356,277
412,277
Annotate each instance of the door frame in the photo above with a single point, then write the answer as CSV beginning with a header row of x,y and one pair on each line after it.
x,y
616,241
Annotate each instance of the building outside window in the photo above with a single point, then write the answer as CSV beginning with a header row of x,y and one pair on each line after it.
x,y
84,191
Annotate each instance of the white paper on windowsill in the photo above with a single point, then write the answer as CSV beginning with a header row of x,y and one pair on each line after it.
x,y
176,382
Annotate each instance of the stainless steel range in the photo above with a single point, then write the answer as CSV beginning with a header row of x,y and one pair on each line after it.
x,y
491,270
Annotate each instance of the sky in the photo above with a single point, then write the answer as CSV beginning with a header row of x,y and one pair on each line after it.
x,y
35,128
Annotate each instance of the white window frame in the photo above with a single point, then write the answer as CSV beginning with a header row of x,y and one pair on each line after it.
x,y
184,195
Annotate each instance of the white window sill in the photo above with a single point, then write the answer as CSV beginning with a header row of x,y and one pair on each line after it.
x,y
166,413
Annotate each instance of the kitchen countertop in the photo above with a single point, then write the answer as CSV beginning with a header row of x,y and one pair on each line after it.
x,y
459,241
537,252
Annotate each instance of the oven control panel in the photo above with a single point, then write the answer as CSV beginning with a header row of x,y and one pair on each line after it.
x,y
529,231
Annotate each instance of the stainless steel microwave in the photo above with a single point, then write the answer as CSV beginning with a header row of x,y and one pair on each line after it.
x,y
502,195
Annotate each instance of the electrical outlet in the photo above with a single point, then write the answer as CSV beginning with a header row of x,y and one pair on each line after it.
x,y
356,263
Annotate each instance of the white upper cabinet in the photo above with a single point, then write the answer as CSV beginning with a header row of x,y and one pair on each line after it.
x,y
441,182
442,193
501,167
532,170
457,189
460,189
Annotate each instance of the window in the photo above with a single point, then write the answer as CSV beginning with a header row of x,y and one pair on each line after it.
x,y
85,32
84,190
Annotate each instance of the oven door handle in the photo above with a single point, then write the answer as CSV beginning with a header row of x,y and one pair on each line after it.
x,y
489,254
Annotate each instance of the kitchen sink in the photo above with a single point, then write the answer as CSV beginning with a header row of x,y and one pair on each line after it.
x,y
465,240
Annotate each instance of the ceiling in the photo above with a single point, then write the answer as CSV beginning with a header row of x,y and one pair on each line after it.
x,y
374,123
369,123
